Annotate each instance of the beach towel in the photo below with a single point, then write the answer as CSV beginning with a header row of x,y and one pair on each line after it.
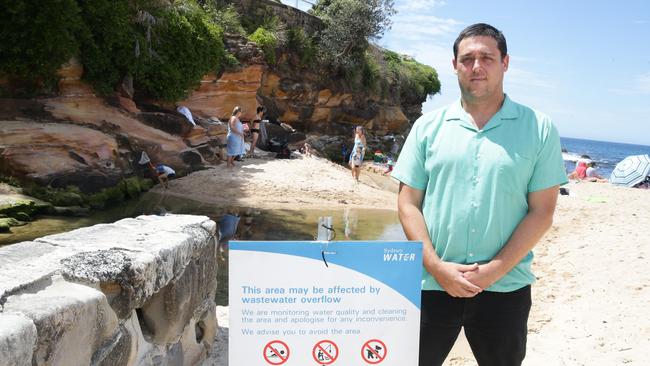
x,y
186,112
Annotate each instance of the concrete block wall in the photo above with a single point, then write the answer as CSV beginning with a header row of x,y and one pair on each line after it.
x,y
136,292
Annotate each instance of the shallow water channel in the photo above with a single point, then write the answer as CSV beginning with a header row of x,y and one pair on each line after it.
x,y
254,224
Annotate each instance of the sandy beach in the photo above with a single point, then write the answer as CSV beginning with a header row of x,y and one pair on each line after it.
x,y
593,290
267,183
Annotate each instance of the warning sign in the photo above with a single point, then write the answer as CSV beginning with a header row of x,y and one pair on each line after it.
x,y
325,352
374,351
297,311
276,352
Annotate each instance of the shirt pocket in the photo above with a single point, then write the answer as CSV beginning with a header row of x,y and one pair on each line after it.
x,y
514,172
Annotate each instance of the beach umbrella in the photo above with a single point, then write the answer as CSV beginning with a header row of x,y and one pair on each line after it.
x,y
631,170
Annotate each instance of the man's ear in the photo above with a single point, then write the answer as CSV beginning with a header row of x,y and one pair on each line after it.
x,y
453,64
506,62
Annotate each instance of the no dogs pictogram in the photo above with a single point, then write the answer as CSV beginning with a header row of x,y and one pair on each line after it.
x,y
374,351
325,352
276,352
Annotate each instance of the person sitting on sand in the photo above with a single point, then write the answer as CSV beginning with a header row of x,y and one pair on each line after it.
x,y
164,174
580,172
592,173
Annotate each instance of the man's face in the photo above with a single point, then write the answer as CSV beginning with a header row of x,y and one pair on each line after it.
x,y
480,68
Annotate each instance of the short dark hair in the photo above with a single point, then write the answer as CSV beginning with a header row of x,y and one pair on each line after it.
x,y
482,29
260,109
236,110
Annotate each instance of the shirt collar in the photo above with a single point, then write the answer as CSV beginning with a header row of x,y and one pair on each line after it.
x,y
508,111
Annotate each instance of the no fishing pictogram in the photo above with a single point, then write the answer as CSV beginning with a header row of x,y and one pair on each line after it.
x,y
325,352
374,351
276,352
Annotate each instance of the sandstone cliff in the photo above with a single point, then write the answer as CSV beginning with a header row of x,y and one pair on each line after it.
x,y
77,138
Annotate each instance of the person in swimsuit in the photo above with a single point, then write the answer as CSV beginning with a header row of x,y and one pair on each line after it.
x,y
255,130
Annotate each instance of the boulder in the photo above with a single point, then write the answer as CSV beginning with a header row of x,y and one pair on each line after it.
x,y
59,155
219,96
174,124
161,146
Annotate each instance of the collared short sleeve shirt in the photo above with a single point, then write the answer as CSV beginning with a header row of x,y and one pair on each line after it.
x,y
476,182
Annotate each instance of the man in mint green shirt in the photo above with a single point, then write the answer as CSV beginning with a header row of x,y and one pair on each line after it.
x,y
479,185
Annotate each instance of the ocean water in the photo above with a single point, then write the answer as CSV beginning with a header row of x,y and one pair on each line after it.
x,y
605,154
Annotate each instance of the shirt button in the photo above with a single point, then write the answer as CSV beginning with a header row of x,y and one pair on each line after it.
x,y
471,254
474,205
473,230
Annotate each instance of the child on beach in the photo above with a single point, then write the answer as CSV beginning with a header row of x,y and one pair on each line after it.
x,y
357,160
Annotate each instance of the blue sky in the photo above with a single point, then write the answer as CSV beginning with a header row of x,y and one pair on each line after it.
x,y
584,63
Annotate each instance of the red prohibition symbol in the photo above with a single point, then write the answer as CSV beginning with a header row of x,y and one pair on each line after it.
x,y
325,352
374,351
276,352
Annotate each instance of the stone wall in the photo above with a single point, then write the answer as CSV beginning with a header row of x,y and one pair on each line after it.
x,y
291,16
136,292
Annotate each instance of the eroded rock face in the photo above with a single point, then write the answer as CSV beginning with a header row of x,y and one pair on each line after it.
x,y
136,292
218,96
159,145
59,154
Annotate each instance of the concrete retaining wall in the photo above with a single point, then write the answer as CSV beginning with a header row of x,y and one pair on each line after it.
x,y
136,292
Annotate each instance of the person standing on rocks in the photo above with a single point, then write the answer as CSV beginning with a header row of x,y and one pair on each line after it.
x,y
478,186
235,137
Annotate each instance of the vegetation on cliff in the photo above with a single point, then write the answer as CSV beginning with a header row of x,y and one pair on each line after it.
x,y
349,26
166,49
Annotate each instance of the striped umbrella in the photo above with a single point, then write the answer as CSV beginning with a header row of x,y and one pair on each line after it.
x,y
631,170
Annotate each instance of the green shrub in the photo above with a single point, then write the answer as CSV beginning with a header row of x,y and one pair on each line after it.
x,y
184,47
226,17
415,81
107,43
267,41
37,37
370,73
166,48
303,45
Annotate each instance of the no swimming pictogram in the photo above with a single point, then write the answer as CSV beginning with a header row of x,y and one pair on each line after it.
x,y
374,351
325,352
276,352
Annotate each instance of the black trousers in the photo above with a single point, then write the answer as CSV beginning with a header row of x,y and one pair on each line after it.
x,y
495,326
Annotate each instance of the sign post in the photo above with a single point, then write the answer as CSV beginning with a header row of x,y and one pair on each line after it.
x,y
324,303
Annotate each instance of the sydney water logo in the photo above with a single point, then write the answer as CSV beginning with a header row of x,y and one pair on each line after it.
x,y
397,255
